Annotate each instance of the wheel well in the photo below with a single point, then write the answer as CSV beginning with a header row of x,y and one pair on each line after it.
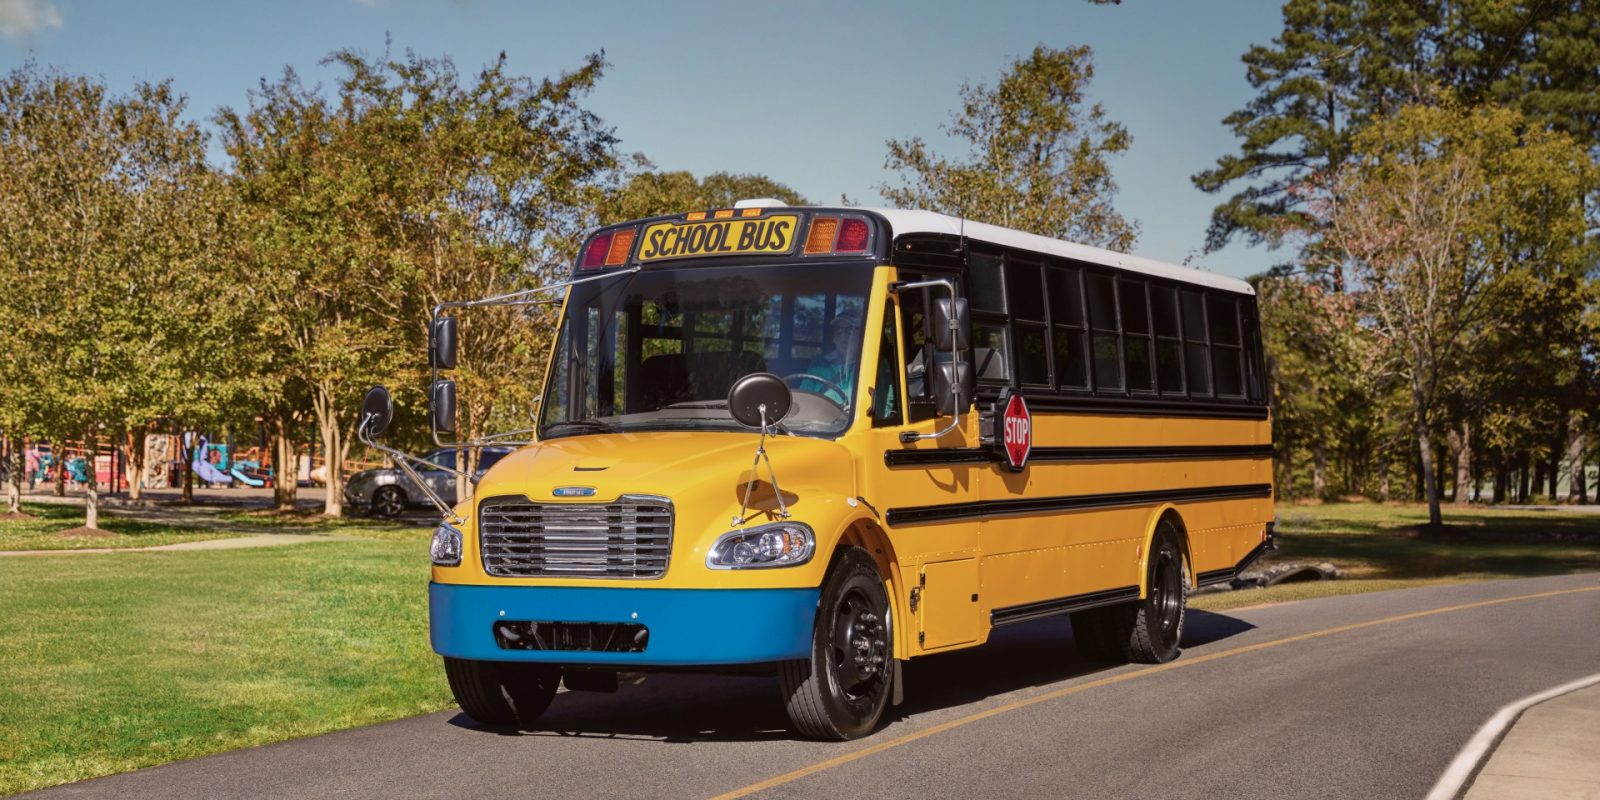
x,y
867,535
1171,515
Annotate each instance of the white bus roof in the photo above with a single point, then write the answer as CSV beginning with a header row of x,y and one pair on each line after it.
x,y
904,221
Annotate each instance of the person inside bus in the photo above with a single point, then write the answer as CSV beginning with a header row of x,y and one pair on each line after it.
x,y
834,366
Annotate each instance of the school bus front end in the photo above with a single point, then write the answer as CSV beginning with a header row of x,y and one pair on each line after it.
x,y
602,550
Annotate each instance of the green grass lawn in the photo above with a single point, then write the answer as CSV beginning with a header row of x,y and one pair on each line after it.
x,y
40,534
1378,547
120,661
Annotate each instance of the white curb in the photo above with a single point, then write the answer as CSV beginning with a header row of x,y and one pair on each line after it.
x,y
1455,777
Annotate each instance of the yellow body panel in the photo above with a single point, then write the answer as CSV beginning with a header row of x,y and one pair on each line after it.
x,y
844,490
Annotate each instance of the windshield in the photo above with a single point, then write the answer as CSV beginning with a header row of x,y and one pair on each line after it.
x,y
659,349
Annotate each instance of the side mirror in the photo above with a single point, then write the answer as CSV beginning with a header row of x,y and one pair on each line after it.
x,y
377,411
759,397
946,336
442,343
949,375
442,404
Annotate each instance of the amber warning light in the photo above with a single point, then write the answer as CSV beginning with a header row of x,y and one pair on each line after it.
x,y
609,249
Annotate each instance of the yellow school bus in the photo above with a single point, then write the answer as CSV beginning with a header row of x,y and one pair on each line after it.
x,y
821,442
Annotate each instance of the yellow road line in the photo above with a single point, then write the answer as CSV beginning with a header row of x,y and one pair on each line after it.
x,y
856,755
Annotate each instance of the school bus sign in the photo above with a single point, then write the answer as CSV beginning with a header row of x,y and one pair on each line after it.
x,y
724,237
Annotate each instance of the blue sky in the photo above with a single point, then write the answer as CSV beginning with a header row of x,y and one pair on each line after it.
x,y
804,92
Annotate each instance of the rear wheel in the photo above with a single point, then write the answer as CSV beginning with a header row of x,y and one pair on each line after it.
x,y
841,690
501,693
1156,623
1146,630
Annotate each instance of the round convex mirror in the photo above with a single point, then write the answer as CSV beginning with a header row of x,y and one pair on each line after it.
x,y
376,411
750,393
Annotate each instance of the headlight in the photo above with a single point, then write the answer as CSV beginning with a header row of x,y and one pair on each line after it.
x,y
783,544
446,548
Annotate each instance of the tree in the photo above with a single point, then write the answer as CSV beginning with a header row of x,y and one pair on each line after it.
x,y
1437,214
1341,64
1337,64
1038,157
648,193
107,233
414,188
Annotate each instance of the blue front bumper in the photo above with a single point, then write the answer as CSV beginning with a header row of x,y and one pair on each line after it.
x,y
687,626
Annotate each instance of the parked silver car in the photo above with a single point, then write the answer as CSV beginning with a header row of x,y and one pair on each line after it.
x,y
388,492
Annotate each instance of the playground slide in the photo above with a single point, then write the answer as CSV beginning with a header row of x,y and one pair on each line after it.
x,y
209,473
240,476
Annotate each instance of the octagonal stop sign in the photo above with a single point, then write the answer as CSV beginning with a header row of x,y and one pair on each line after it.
x,y
1016,432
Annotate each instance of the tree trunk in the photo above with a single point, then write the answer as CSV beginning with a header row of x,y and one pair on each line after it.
x,y
91,491
16,464
1383,478
467,463
1556,444
1524,486
186,446
1286,485
1319,471
285,469
133,456
60,453
333,448
1461,446
1430,488
1577,485
1502,481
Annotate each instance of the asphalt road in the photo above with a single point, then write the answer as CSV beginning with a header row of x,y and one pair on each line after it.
x,y
1360,696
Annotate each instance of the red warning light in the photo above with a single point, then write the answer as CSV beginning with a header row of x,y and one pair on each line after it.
x,y
595,254
852,236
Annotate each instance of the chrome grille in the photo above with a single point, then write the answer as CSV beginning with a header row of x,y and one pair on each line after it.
x,y
628,538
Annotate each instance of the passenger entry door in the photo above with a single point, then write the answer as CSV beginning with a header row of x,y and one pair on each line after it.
x,y
916,488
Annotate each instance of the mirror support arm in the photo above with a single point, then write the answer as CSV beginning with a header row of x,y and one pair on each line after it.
x,y
955,356
402,461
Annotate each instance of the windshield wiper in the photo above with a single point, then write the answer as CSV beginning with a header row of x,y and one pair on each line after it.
x,y
711,404
581,425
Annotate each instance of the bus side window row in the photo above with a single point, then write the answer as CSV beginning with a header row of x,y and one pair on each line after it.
x,y
1075,327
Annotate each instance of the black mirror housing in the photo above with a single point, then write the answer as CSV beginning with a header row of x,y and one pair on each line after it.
x,y
950,374
759,397
442,405
945,310
442,343
377,411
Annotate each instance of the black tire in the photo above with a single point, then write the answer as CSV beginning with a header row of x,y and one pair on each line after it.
x,y
497,693
840,692
1148,630
388,501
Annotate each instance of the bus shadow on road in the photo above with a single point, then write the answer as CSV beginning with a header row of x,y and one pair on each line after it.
x,y
685,708
1025,656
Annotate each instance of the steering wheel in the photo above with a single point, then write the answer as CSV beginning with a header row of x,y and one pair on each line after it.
x,y
844,396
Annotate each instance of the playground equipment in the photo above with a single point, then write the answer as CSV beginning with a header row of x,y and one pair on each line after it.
x,y
201,462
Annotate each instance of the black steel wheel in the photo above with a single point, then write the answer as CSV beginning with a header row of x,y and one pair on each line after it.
x,y
388,501
840,692
1147,630
1156,623
498,693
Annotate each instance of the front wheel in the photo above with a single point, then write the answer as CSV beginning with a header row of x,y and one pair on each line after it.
x,y
840,692
500,693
